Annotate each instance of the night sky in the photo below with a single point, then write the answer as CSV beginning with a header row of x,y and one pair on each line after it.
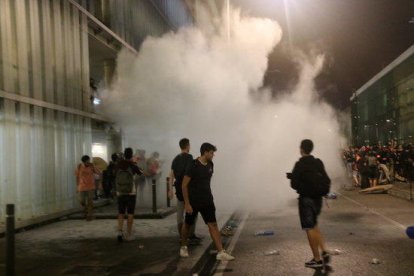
x,y
358,37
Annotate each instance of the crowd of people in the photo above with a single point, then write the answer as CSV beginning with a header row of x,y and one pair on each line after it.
x,y
191,178
369,166
94,183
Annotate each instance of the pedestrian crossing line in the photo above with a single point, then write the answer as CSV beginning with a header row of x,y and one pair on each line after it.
x,y
395,223
230,248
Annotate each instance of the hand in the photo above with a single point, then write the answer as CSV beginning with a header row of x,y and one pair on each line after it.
x,y
188,208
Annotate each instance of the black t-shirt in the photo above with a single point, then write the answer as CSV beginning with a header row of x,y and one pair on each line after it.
x,y
199,187
299,180
179,166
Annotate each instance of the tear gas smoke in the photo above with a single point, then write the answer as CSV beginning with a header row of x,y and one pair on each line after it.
x,y
205,87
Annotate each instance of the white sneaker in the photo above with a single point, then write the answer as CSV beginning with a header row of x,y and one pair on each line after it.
x,y
184,251
224,256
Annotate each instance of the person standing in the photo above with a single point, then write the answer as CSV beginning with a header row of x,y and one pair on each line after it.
x,y
198,198
126,193
108,176
85,182
303,177
178,169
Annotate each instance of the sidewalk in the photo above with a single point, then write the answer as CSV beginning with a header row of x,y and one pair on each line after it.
x,y
78,247
401,190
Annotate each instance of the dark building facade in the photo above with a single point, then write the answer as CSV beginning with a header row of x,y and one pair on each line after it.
x,y
382,110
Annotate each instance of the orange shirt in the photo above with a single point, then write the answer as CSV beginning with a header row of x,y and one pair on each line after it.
x,y
86,177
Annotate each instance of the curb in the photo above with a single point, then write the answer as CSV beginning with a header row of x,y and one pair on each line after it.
x,y
28,224
208,261
159,215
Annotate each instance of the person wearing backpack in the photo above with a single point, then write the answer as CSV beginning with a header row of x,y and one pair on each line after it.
x,y
311,182
126,193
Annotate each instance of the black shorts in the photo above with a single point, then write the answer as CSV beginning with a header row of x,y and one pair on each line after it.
x,y
309,209
373,172
207,212
126,203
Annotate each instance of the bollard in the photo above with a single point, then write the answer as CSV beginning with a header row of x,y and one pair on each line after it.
x,y
10,240
154,196
168,190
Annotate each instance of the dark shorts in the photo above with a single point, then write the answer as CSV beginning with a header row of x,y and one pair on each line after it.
x,y
207,212
309,209
373,172
126,203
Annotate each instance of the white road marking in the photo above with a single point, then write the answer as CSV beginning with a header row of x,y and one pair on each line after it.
x,y
395,223
233,242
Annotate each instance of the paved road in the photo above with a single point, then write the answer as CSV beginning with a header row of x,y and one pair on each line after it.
x,y
362,226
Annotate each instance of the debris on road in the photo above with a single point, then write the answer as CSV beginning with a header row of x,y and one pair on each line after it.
x,y
377,189
232,224
264,233
140,246
331,196
272,252
335,252
375,261
227,231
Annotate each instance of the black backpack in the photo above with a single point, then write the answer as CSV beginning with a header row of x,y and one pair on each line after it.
x,y
316,179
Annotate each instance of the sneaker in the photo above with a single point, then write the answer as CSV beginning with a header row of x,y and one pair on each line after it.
x,y
120,236
314,264
184,251
326,257
224,256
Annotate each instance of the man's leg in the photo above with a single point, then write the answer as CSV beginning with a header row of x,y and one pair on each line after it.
x,y
321,242
215,235
129,224
121,216
120,221
180,216
90,205
191,232
313,239
184,234
130,209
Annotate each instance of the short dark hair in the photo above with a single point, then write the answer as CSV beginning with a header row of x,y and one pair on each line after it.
x,y
184,143
306,145
114,157
207,147
128,153
85,158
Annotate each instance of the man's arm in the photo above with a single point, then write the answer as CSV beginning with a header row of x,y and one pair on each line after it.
x,y
187,204
295,183
170,184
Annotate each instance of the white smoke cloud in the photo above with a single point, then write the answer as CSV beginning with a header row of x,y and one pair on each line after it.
x,y
205,87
